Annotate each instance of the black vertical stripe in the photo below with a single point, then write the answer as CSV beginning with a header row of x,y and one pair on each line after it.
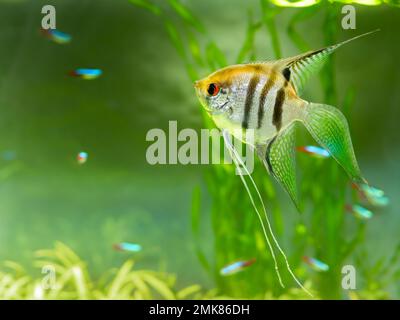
x,y
286,73
249,100
277,116
264,92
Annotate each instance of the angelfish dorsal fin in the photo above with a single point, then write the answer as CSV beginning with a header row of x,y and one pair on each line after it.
x,y
300,68
279,158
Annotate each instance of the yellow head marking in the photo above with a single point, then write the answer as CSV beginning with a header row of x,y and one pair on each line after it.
x,y
224,77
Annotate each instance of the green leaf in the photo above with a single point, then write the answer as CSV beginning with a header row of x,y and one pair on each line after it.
x,y
186,15
195,49
147,5
247,50
186,292
159,286
175,39
215,57
120,278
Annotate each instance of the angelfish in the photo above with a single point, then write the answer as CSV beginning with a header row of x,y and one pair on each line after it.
x,y
265,97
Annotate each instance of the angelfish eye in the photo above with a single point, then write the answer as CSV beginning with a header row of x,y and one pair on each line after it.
x,y
213,89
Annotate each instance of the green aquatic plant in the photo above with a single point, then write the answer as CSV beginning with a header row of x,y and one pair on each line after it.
x,y
72,280
379,278
323,228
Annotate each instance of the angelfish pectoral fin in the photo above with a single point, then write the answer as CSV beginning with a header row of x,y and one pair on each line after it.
x,y
279,158
329,128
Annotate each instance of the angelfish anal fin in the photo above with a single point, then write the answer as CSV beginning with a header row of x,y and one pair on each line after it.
x,y
280,159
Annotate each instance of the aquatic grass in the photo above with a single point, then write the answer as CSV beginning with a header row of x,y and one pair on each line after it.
x,y
248,50
145,4
379,277
72,281
269,13
323,229
298,17
186,15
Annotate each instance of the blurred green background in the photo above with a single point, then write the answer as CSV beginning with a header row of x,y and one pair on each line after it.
x,y
47,117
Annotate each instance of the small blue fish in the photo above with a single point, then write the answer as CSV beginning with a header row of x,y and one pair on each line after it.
x,y
9,155
359,211
379,201
236,267
315,151
57,36
126,246
374,196
316,264
87,74
82,157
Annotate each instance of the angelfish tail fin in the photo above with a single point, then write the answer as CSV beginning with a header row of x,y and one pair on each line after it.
x,y
329,128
